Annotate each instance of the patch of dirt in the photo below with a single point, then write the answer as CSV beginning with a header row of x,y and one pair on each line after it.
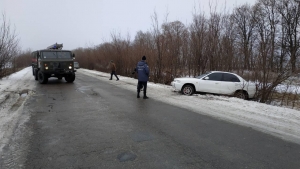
x,y
12,100
3,97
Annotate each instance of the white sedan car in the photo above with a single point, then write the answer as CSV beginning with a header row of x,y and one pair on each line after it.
x,y
216,82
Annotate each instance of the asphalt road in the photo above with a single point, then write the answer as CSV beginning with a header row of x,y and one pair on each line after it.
x,y
93,124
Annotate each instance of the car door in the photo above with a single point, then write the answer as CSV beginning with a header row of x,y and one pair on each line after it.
x,y
210,83
229,84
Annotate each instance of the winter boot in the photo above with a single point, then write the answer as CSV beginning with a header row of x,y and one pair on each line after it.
x,y
138,95
145,95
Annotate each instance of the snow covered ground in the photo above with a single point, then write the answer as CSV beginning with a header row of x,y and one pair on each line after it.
x,y
277,121
14,90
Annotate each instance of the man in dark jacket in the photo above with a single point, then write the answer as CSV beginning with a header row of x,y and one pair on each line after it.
x,y
142,70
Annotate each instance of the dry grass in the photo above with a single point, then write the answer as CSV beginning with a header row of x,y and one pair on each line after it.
x,y
8,71
289,100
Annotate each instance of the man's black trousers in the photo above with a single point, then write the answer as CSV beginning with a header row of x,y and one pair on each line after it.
x,y
142,84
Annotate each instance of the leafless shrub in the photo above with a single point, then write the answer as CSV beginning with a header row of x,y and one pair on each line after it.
x,y
8,46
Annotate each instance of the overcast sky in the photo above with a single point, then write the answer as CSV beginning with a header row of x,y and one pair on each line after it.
x,y
85,23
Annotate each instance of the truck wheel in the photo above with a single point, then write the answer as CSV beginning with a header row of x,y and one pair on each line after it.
x,y
36,75
43,79
70,78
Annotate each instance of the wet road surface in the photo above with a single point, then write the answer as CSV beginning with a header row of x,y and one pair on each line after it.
x,y
93,124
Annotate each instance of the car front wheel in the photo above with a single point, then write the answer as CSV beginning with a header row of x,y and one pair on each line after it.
x,y
187,90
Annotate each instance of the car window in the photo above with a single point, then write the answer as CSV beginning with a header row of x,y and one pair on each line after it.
x,y
48,55
215,76
64,55
199,77
230,78
56,54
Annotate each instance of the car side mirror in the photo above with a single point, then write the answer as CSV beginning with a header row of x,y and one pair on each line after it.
x,y
38,54
206,78
73,55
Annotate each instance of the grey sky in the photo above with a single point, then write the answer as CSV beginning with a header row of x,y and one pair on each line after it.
x,y
85,23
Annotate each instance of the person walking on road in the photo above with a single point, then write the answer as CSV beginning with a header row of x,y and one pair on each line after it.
x,y
137,86
142,70
113,70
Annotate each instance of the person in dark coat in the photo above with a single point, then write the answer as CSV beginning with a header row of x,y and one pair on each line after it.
x,y
137,86
142,70
113,70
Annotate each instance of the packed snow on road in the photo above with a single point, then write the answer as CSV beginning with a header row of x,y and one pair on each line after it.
x,y
278,121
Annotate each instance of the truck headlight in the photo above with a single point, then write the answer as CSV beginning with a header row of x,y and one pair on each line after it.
x,y
46,67
70,67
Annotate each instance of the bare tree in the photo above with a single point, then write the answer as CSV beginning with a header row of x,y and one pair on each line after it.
x,y
8,45
227,45
159,48
198,60
174,34
266,22
290,16
121,50
243,18
213,41
23,59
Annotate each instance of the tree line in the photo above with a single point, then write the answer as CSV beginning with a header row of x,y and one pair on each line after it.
x,y
12,58
258,42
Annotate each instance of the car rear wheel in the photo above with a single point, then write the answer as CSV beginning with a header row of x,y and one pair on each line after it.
x,y
187,90
241,95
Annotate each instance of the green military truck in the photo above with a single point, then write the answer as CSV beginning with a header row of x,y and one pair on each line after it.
x,y
53,62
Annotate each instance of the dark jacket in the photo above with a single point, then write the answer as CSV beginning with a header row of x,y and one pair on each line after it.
x,y
142,71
